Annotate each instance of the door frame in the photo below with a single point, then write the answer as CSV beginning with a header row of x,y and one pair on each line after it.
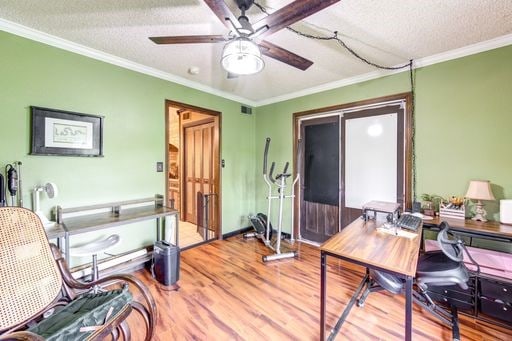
x,y
217,119
408,143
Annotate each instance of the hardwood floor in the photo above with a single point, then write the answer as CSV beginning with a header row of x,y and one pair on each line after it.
x,y
227,293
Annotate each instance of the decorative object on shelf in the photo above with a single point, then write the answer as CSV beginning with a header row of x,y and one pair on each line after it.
x,y
428,207
58,132
453,208
430,203
480,190
51,190
506,211
390,209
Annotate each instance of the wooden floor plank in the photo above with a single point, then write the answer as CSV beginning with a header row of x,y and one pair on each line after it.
x,y
228,293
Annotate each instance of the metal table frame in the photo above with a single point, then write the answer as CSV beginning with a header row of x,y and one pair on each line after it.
x,y
346,311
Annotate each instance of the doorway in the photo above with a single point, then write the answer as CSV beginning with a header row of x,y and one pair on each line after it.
x,y
193,168
349,155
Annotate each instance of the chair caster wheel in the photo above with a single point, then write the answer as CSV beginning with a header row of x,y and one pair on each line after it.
x,y
360,304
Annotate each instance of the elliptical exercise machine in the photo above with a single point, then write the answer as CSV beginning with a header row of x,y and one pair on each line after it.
x,y
261,222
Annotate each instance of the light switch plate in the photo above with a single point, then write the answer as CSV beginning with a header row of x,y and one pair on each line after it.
x,y
159,166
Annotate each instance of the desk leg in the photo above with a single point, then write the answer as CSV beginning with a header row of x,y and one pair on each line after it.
x,y
408,308
66,247
158,229
323,273
176,231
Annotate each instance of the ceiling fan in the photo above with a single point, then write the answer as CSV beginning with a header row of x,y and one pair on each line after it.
x,y
245,44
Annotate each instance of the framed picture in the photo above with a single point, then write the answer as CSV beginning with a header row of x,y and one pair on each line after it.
x,y
58,132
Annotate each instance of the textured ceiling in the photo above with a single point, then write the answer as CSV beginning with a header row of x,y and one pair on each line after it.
x,y
388,32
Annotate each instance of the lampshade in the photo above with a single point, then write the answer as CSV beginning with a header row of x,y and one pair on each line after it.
x,y
480,190
241,56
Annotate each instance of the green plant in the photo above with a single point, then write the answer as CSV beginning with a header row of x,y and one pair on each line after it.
x,y
426,197
434,198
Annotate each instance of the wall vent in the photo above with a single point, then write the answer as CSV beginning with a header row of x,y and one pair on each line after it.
x,y
246,110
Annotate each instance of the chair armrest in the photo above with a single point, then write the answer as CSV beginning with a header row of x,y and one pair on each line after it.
x,y
72,283
21,336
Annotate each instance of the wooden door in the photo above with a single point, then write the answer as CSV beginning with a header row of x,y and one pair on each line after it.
x,y
199,148
319,205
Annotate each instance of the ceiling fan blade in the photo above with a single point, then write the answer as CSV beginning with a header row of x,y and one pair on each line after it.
x,y
291,13
285,56
197,39
223,12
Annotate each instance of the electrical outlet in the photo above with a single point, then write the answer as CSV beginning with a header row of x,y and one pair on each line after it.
x,y
159,166
223,163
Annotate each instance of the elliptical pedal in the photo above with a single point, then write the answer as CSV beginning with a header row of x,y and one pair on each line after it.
x,y
259,223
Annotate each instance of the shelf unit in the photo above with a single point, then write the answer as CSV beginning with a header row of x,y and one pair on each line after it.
x,y
78,220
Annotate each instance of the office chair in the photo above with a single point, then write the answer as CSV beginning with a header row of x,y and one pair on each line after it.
x,y
437,268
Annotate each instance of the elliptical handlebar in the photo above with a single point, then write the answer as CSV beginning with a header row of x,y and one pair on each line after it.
x,y
271,172
285,170
270,175
265,156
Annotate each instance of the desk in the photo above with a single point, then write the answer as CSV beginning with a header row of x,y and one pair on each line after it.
x,y
360,243
491,230
496,310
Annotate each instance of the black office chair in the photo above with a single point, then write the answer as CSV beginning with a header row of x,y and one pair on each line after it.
x,y
436,268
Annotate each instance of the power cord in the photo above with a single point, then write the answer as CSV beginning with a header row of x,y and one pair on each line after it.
x,y
336,38
409,65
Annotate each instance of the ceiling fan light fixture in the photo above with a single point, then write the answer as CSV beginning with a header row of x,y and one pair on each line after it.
x,y
242,56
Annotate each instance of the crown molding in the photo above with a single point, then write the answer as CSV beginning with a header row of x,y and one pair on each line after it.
x,y
464,51
48,39
421,62
327,86
67,45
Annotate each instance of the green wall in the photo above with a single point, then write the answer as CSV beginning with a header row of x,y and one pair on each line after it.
x,y
463,123
134,135
463,117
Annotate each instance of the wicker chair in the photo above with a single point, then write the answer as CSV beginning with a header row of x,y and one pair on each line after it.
x,y
39,299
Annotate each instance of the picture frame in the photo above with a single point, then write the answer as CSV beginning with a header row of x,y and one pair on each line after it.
x,y
65,133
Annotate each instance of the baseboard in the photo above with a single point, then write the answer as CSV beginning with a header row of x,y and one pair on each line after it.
x,y
284,235
127,266
196,244
237,232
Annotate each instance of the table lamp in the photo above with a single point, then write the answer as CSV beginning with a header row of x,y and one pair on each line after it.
x,y
480,190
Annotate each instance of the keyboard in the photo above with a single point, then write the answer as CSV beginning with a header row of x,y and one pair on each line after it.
x,y
409,222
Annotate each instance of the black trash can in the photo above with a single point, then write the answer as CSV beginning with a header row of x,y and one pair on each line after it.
x,y
166,262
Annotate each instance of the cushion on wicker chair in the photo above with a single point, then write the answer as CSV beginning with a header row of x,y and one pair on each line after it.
x,y
88,310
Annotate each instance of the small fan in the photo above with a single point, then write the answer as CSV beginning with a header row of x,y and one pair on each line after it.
x,y
51,191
